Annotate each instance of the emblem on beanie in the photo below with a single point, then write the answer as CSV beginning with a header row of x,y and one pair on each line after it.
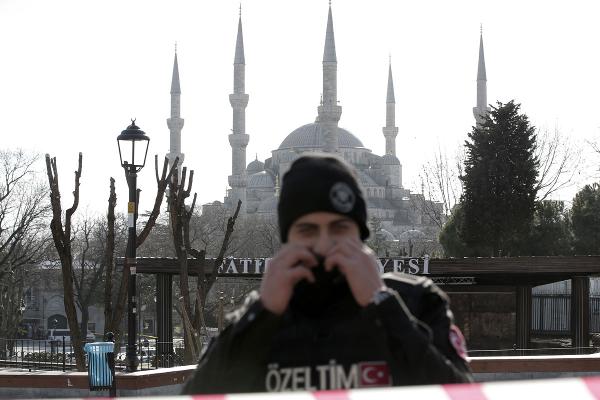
x,y
342,197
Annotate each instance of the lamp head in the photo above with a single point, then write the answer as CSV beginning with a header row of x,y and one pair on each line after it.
x,y
133,147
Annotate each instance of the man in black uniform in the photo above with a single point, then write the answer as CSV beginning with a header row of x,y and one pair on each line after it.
x,y
325,318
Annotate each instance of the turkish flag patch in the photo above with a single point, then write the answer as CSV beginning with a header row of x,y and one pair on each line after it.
x,y
457,340
374,374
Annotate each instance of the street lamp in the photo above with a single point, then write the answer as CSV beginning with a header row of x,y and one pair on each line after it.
x,y
133,148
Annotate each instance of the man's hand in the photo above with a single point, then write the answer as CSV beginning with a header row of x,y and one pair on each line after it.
x,y
290,265
358,264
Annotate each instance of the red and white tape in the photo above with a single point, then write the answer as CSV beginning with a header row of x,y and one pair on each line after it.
x,y
548,389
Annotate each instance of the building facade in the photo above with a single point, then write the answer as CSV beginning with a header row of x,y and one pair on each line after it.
x,y
400,213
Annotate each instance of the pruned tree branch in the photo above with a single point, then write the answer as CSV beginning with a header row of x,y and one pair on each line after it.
x,y
62,242
109,254
180,216
162,184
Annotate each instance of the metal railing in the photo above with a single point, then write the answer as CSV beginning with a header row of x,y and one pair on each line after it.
x,y
54,355
58,355
153,354
551,314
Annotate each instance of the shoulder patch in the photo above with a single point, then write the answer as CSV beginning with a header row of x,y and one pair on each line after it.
x,y
457,340
237,314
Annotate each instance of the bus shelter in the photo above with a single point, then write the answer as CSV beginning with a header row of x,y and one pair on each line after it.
x,y
516,275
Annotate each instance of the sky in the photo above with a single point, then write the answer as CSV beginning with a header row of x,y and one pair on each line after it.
x,y
73,73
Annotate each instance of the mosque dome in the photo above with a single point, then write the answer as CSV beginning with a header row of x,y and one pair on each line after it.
x,y
255,166
312,136
365,180
390,159
260,180
412,234
385,235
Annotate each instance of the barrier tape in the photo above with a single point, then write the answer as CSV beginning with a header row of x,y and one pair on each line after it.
x,y
587,388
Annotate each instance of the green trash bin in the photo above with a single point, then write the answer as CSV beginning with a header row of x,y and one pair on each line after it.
x,y
101,365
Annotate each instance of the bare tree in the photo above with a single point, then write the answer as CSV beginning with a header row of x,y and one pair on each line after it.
x,y
262,234
23,237
207,230
159,243
441,185
88,271
109,257
63,238
116,306
62,241
23,210
11,304
595,147
180,216
559,161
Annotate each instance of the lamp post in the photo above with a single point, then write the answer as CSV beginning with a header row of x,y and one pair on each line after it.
x,y
133,148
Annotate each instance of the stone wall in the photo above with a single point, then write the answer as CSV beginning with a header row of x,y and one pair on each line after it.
x,y
487,320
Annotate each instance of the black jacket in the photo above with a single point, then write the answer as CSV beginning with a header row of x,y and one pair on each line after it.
x,y
407,339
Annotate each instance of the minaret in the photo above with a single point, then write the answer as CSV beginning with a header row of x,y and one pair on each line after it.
x,y
391,164
238,138
175,123
482,108
329,111
390,131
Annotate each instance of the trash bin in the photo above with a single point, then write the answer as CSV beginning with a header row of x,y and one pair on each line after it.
x,y
101,365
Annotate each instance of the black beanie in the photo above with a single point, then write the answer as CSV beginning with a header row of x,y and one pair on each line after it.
x,y
320,183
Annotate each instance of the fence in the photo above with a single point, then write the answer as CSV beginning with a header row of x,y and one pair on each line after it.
x,y
551,314
58,355
54,355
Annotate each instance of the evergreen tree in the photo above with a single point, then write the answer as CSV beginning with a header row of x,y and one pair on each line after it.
x,y
499,183
585,217
550,231
451,234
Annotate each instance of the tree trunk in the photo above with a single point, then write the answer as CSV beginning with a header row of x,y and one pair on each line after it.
x,y
62,241
85,317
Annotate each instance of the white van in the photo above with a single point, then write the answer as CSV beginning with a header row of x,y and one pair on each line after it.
x,y
56,335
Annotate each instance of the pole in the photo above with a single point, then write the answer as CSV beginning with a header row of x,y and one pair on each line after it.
x,y
130,262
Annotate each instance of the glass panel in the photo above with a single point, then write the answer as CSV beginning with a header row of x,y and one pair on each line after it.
x,y
140,152
126,148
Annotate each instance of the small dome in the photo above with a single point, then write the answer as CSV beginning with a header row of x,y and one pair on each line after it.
x,y
390,159
312,136
260,180
411,234
268,205
254,167
365,180
385,235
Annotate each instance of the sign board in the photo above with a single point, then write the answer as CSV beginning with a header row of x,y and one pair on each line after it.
x,y
256,266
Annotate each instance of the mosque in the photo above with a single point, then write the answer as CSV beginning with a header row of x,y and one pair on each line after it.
x,y
401,215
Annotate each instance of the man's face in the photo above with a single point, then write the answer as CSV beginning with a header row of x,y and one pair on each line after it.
x,y
320,231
